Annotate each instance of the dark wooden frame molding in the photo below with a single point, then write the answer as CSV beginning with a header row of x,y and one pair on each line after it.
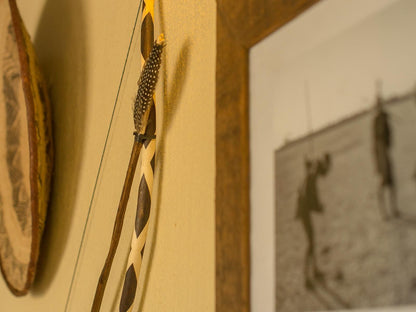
x,y
240,25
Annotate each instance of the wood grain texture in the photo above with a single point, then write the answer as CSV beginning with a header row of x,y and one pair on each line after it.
x,y
240,25
118,226
25,191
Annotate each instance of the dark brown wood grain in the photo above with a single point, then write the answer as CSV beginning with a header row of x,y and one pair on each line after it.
x,y
118,226
240,25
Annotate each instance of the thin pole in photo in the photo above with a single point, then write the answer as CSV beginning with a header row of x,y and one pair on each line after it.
x,y
309,118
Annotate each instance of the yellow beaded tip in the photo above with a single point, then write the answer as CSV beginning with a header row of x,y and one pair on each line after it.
x,y
160,39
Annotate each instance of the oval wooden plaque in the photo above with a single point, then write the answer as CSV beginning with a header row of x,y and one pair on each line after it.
x,y
25,152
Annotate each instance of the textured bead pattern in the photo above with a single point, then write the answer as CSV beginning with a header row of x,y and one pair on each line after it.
x,y
147,85
147,124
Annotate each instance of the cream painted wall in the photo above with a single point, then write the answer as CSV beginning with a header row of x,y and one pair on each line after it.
x,y
82,47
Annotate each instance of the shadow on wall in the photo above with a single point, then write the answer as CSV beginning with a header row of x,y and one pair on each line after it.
x,y
172,94
171,97
60,43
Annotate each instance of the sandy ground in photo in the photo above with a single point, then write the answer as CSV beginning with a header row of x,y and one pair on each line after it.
x,y
366,261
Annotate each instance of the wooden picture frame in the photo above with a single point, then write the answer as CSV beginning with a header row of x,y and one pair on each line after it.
x,y
240,25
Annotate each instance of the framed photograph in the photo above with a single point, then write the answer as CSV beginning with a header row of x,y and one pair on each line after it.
x,y
331,115
333,160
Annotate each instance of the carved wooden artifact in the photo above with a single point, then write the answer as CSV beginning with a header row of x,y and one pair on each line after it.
x,y
25,152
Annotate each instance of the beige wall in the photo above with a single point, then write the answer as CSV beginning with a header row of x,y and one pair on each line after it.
x,y
82,47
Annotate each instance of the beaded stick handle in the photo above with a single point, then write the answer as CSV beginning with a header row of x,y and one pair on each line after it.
x,y
142,111
139,236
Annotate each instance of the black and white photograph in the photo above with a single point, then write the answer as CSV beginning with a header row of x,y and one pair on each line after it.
x,y
342,141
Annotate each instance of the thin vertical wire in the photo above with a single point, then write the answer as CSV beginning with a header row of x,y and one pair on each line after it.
x,y
101,160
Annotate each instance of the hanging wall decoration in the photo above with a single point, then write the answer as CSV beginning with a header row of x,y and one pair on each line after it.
x,y
139,236
26,152
144,117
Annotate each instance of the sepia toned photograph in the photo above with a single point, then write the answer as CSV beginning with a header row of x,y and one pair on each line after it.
x,y
344,140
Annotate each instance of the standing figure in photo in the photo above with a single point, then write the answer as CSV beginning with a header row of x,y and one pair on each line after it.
x,y
382,143
308,202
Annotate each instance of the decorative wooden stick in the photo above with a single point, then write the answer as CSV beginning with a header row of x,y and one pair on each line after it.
x,y
118,225
142,110
146,180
